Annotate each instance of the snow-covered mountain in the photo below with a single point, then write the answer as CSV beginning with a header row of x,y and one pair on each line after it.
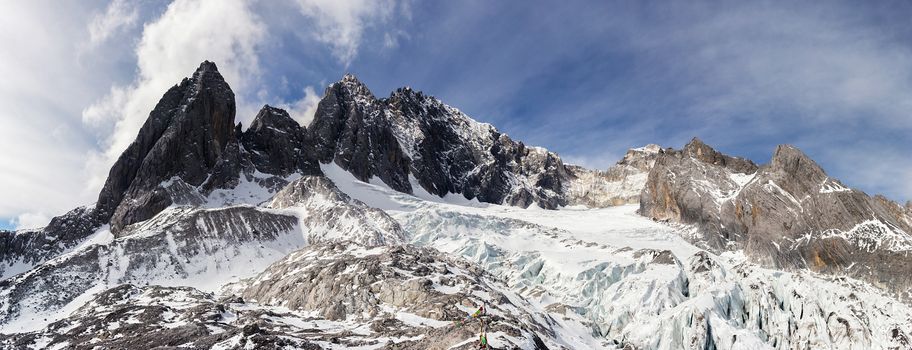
x,y
386,222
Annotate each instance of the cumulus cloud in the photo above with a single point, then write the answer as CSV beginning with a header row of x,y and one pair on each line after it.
x,y
303,110
63,115
30,220
41,92
171,47
118,16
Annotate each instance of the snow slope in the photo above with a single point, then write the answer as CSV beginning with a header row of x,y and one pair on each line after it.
x,y
573,278
632,279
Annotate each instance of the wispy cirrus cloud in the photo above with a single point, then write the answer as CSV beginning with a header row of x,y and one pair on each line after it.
x,y
341,24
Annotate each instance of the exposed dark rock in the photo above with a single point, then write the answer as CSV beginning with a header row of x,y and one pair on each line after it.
x,y
410,133
188,135
350,128
31,247
277,145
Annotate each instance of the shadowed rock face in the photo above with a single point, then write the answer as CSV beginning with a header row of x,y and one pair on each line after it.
x,y
277,145
189,135
788,214
179,244
29,248
410,133
350,128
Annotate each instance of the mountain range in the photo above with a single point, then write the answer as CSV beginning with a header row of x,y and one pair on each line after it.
x,y
386,221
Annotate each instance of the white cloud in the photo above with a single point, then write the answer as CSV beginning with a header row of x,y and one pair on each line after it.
x,y
171,47
64,122
31,220
303,110
341,24
118,16
42,91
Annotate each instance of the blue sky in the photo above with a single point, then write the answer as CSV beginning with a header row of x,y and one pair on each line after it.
x,y
585,79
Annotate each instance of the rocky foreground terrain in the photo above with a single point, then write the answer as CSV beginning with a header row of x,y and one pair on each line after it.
x,y
387,221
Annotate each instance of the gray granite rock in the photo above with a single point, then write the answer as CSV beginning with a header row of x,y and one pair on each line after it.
x,y
189,135
410,133
277,144
788,214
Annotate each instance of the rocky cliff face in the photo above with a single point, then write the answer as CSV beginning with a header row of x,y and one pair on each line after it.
x,y
188,136
278,145
20,251
618,185
788,214
445,151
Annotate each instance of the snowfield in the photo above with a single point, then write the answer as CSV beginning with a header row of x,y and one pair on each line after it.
x,y
638,282
573,278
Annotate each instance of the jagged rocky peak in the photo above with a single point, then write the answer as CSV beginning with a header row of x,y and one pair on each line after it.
x,y
642,158
788,214
278,145
791,160
413,134
351,129
703,152
354,87
188,136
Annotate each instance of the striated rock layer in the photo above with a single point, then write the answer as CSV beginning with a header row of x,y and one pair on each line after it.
x,y
788,214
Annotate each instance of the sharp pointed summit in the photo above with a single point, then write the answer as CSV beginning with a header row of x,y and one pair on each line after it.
x,y
188,133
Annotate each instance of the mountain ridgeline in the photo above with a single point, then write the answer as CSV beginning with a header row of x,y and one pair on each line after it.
x,y
199,200
190,143
190,146
787,214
